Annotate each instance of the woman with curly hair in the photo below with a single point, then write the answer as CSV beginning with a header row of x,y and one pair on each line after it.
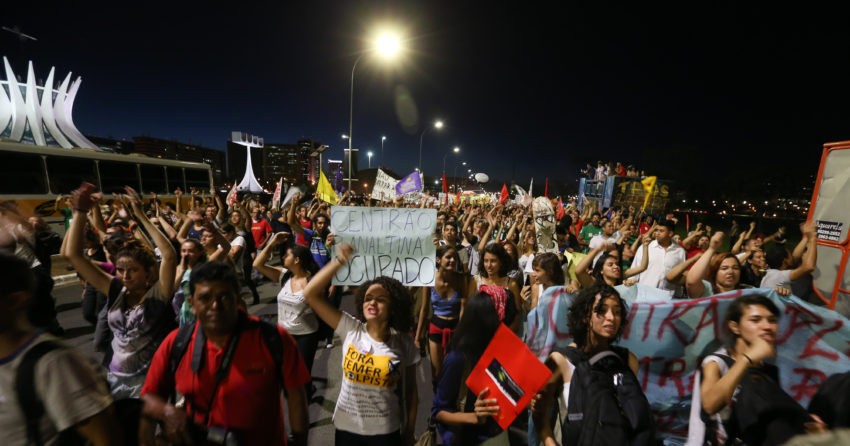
x,y
596,320
378,356
493,279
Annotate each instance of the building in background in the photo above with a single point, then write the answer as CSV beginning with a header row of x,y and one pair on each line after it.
x,y
275,160
166,149
109,144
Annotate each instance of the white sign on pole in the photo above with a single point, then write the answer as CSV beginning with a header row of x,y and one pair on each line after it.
x,y
384,187
392,242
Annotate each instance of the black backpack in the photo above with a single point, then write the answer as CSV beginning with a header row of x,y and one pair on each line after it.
x,y
127,411
832,400
606,404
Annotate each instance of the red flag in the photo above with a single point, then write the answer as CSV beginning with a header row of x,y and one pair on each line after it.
x,y
546,191
504,197
561,210
457,196
445,188
687,222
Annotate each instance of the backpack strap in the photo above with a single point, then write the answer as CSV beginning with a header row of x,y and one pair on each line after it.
x,y
274,344
31,405
180,345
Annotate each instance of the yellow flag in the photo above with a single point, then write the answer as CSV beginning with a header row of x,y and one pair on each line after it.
x,y
648,185
325,190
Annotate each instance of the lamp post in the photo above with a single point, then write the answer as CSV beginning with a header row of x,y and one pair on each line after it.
x,y
437,125
383,138
454,175
455,150
387,46
369,154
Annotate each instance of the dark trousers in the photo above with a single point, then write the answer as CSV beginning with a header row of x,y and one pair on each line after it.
x,y
307,347
345,438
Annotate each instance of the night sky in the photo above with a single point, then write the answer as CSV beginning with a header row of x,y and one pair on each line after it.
x,y
706,93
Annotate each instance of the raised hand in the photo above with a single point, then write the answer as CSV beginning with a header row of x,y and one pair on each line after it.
x,y
716,241
81,198
759,350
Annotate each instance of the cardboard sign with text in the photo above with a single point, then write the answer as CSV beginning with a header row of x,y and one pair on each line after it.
x,y
392,242
511,373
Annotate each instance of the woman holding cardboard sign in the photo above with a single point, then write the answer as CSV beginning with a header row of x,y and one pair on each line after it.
x,y
378,356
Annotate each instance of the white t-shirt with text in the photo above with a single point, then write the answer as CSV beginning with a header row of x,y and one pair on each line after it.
x,y
371,371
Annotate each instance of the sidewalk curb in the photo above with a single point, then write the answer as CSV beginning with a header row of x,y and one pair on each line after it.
x,y
64,280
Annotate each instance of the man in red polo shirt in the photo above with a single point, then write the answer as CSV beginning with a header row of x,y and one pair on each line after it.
x,y
245,400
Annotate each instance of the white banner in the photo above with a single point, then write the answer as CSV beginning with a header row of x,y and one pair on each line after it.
x,y
384,188
392,242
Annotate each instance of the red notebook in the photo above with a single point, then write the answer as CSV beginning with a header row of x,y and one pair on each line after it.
x,y
511,372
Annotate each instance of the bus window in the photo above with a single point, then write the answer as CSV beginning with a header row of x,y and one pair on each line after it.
x,y
198,178
175,179
153,179
66,173
115,175
21,173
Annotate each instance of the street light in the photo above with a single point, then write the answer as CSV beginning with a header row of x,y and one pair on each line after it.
x,y
369,154
455,150
437,125
383,138
386,45
454,175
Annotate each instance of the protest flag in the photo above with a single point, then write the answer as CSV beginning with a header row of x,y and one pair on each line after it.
x,y
231,199
546,191
410,183
277,191
325,191
504,196
648,185
339,184
289,194
561,210
511,372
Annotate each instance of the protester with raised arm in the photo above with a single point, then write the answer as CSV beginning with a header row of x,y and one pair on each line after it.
x,y
781,261
138,299
663,256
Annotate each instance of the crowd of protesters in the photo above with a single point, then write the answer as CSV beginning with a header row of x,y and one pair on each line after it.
x,y
184,363
609,169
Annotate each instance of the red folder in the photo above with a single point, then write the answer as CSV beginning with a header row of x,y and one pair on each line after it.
x,y
511,372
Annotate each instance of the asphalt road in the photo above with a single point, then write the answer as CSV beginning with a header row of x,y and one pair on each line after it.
x,y
327,367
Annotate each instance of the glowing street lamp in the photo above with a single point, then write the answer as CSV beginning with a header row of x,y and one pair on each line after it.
x,y
438,124
387,46
455,150
383,138
369,154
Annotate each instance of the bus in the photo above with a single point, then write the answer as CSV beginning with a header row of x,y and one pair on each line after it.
x,y
33,176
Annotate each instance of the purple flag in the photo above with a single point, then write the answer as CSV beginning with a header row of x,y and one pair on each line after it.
x,y
410,183
338,182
